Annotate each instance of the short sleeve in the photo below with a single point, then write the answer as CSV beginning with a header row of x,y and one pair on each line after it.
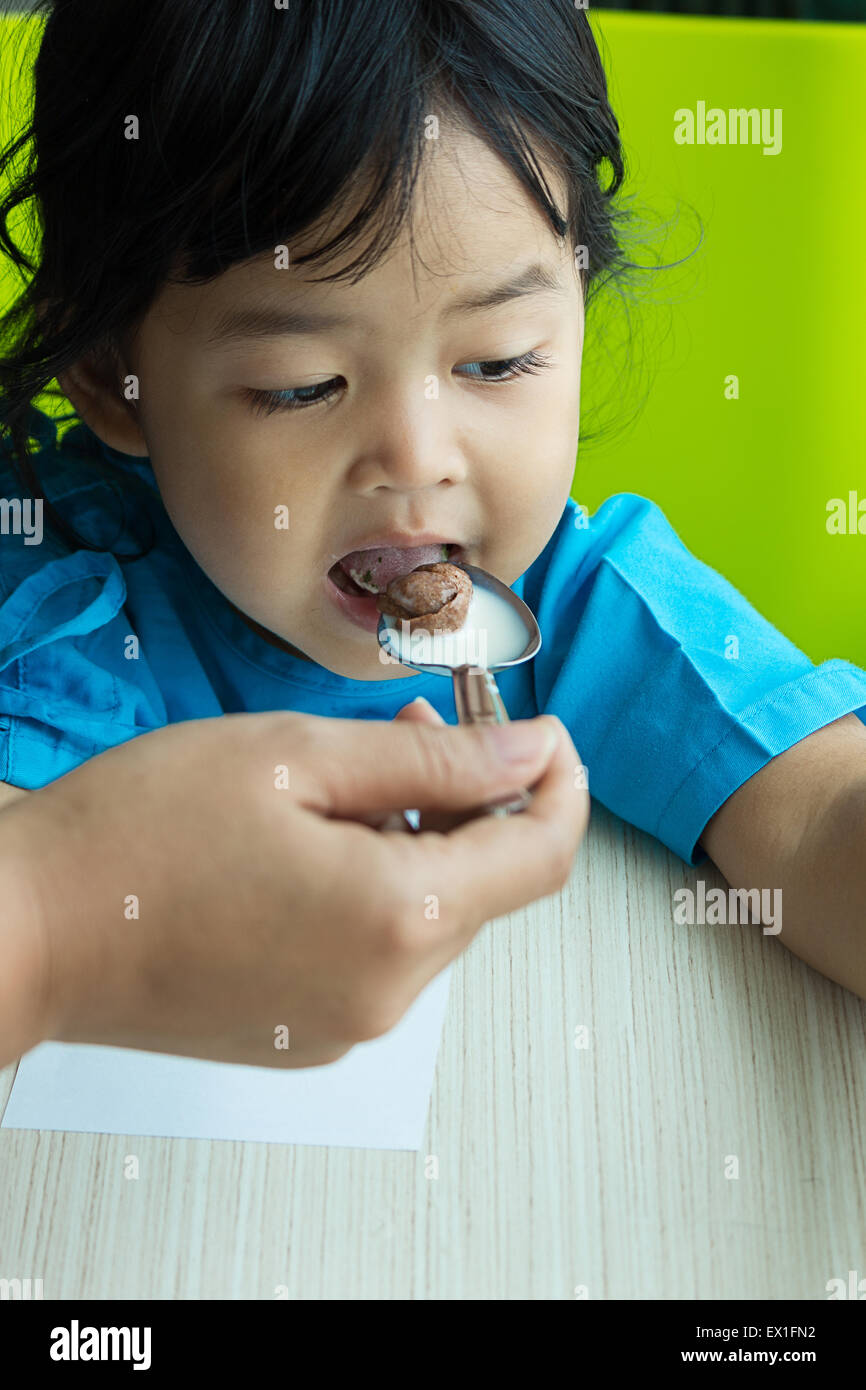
x,y
64,694
72,679
673,687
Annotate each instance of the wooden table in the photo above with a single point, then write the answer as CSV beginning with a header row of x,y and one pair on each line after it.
x,y
560,1168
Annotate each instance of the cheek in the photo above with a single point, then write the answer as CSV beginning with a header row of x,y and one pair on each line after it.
x,y
226,512
554,447
533,474
541,445
248,513
201,498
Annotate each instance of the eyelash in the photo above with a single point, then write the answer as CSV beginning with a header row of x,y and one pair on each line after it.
x,y
267,402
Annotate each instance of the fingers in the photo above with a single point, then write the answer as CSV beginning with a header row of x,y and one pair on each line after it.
x,y
420,899
420,711
491,866
356,768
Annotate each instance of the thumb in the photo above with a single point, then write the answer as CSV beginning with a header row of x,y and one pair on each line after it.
x,y
357,766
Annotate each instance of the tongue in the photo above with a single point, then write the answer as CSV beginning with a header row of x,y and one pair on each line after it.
x,y
374,569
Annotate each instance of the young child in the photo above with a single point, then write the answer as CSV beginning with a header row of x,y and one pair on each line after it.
x,y
309,279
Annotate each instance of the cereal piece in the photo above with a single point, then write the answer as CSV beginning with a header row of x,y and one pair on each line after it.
x,y
433,597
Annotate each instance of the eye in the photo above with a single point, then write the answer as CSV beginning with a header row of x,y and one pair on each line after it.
x,y
302,397
509,367
298,398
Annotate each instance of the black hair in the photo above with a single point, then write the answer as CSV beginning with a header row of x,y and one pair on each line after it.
x,y
256,119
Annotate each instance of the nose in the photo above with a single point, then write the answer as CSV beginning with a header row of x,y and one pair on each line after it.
x,y
409,440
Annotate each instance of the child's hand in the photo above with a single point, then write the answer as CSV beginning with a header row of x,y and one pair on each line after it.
x,y
180,893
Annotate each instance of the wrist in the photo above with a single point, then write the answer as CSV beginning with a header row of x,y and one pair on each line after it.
x,y
29,1007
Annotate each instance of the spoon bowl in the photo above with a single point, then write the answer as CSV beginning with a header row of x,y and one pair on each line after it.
x,y
515,641
500,631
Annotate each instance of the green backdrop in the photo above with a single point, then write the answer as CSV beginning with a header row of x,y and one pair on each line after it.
x,y
775,296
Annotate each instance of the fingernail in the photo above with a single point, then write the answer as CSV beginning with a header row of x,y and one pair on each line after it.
x,y
523,742
420,700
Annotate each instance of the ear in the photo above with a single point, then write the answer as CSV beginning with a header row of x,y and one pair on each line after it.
x,y
97,387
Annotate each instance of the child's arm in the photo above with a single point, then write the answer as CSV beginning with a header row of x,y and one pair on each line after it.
x,y
800,825
9,794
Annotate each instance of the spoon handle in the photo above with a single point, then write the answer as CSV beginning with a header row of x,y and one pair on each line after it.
x,y
478,701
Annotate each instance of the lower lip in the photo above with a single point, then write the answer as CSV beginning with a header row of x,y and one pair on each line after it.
x,y
360,611
363,612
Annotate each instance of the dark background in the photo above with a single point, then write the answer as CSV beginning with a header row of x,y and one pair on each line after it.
x,y
835,10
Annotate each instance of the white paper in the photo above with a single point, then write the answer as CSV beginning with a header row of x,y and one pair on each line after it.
x,y
376,1097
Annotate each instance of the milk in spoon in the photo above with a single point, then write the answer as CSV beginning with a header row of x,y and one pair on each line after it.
x,y
492,635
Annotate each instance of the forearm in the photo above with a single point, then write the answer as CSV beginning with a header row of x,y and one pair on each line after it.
x,y
58,950
825,892
66,970
26,1016
9,794
799,826
814,880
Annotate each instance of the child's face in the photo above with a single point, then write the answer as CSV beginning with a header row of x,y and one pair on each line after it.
x,y
414,439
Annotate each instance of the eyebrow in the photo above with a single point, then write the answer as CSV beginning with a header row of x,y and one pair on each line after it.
x,y
267,321
534,279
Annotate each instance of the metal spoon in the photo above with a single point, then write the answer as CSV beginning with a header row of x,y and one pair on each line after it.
x,y
476,694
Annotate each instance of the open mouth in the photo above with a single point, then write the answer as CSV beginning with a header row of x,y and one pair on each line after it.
x,y
371,584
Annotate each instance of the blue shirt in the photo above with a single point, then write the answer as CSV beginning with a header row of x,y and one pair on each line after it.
x,y
633,659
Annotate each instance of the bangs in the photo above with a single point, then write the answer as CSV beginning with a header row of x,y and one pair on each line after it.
x,y
171,140
327,138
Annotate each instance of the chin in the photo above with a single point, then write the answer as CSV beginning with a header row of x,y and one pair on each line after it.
x,y
364,666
